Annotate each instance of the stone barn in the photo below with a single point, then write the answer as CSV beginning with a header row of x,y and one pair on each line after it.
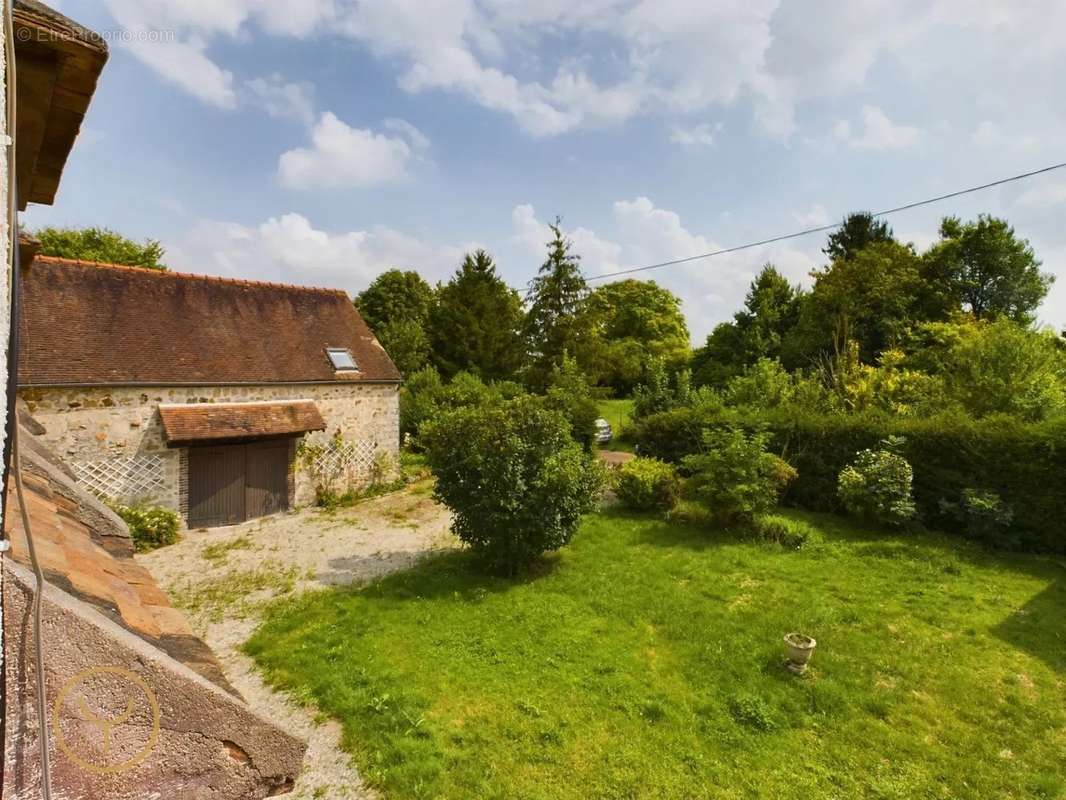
x,y
194,392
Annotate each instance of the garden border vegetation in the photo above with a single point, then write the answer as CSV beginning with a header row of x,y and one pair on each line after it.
x,y
1020,462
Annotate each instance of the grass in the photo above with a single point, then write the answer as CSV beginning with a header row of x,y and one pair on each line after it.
x,y
218,552
618,413
645,661
233,593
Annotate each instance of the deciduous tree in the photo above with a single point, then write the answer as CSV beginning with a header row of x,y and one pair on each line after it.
x,y
872,298
985,269
396,307
629,321
100,244
395,295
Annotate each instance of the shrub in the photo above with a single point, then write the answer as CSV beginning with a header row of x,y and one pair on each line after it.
x,y
655,393
150,526
425,396
765,384
948,453
1005,368
645,484
515,480
420,398
983,515
877,484
736,476
569,392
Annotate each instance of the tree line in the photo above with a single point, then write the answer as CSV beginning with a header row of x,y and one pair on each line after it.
x,y
882,324
876,293
475,323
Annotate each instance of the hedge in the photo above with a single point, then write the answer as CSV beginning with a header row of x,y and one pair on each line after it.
x,y
1024,463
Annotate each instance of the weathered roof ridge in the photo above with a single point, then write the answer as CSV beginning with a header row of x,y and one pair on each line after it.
x,y
60,24
223,403
79,262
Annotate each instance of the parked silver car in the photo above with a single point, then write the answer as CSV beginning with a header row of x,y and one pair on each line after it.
x,y
604,434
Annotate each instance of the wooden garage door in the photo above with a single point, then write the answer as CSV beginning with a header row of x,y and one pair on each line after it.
x,y
266,478
231,483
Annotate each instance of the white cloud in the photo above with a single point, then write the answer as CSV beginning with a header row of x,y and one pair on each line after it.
x,y
989,135
414,137
649,56
226,17
1043,197
711,290
697,53
289,18
289,249
696,136
185,64
181,57
656,234
814,217
878,132
598,255
340,155
654,56
283,99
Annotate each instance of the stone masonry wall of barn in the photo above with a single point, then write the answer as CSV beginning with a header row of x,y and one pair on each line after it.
x,y
115,434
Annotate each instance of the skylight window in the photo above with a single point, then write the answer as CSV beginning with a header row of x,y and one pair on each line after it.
x,y
341,358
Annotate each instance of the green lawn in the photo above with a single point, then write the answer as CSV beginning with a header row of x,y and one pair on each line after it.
x,y
618,413
645,661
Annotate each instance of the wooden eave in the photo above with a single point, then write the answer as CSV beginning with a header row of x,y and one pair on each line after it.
x,y
57,65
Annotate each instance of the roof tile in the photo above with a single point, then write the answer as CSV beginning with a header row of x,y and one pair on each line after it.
x,y
202,422
86,323
109,579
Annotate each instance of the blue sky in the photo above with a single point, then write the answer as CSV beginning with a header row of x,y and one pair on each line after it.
x,y
322,142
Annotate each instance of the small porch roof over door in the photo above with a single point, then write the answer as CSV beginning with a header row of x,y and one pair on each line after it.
x,y
203,423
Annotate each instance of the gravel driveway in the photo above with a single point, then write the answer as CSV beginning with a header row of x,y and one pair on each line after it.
x,y
222,576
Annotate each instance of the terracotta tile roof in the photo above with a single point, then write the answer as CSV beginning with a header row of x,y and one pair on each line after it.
x,y
98,569
85,323
200,422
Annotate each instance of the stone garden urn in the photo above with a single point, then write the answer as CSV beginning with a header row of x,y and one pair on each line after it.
x,y
799,648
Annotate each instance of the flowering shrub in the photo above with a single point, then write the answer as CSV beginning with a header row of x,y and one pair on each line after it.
x,y
150,526
736,476
645,484
877,484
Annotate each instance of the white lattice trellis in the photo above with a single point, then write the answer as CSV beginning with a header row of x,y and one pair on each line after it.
x,y
123,478
353,459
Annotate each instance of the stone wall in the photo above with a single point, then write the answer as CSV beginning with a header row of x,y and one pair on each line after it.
x,y
114,436
5,236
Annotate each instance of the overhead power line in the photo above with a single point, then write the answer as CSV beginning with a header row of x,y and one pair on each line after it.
x,y
824,228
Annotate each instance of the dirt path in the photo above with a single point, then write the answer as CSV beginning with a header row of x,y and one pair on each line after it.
x,y
221,577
